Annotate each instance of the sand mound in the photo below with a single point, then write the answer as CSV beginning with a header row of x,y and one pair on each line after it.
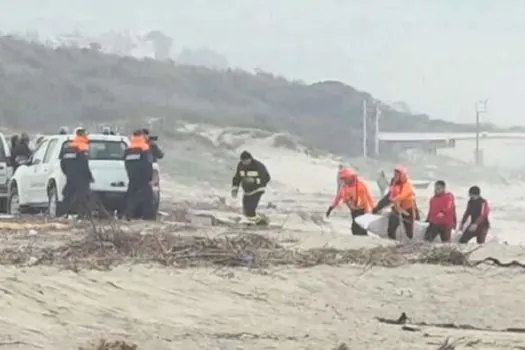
x,y
111,247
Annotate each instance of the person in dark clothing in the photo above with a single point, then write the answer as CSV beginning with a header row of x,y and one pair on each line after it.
x,y
63,130
441,214
14,142
156,152
22,148
478,211
74,163
253,177
139,167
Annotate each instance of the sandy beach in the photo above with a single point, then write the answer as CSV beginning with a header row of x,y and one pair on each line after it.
x,y
285,307
58,295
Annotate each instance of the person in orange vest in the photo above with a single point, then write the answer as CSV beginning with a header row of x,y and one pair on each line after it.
x,y
355,194
139,167
401,196
74,162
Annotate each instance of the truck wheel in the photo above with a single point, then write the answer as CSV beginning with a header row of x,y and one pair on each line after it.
x,y
13,203
52,202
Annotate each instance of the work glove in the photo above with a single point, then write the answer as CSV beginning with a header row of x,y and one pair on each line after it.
x,y
329,211
235,191
375,210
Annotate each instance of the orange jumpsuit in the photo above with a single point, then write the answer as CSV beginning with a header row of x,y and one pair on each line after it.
x,y
357,197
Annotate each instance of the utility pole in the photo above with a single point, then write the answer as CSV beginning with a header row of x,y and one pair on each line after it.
x,y
481,107
376,131
365,134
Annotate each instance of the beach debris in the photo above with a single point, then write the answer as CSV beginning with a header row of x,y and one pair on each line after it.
x,y
404,320
104,344
111,246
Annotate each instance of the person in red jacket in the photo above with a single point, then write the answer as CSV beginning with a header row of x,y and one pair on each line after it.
x,y
441,214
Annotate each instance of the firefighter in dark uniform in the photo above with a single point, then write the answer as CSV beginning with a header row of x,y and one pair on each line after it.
x,y
253,177
74,162
139,167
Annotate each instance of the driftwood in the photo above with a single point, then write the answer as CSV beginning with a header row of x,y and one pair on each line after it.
x,y
411,325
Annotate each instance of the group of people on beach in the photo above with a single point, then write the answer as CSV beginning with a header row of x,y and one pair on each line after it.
x,y
253,176
400,197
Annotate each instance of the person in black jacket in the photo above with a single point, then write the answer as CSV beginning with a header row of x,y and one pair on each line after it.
x,y
478,212
74,163
253,177
139,197
21,150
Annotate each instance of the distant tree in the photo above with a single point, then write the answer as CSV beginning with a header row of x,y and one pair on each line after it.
x,y
43,88
95,46
203,57
162,44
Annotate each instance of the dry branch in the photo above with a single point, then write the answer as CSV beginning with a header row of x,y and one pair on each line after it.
x,y
106,246
404,320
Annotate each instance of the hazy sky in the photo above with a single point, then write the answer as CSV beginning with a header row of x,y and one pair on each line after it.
x,y
439,56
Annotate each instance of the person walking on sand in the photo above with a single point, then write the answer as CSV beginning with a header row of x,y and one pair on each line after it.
x,y
478,211
252,176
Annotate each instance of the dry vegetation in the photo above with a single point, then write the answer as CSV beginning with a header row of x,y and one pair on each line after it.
x,y
108,246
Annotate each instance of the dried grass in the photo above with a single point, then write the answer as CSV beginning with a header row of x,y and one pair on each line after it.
x,y
113,247
104,344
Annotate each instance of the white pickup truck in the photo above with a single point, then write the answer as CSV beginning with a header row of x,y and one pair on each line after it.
x,y
6,170
38,184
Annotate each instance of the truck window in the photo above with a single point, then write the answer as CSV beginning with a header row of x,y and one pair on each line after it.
x,y
104,150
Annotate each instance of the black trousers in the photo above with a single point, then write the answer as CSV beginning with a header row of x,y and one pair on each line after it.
x,y
434,230
393,224
250,203
356,229
76,197
480,234
139,201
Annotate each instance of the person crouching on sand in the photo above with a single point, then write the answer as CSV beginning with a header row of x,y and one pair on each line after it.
x,y
356,195
478,211
402,197
441,214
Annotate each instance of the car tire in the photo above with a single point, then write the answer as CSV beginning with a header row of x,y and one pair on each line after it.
x,y
3,205
52,202
13,203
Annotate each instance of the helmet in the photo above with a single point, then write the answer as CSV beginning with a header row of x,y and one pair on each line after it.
x,y
80,131
346,174
63,130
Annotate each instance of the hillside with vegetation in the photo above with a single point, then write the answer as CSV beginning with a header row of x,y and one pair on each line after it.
x,y
43,87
